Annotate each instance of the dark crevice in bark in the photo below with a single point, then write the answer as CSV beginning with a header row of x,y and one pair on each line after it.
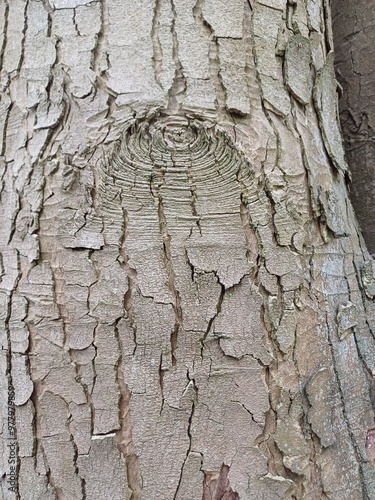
x,y
212,319
157,57
250,4
177,92
161,382
50,479
90,400
316,447
213,58
346,418
327,25
14,218
101,39
156,190
132,279
250,232
173,340
124,435
189,433
194,199
65,109
304,155
49,19
5,28
9,376
23,40
76,468
364,300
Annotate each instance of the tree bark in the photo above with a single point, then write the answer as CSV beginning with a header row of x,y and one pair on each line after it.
x,y
187,303
354,31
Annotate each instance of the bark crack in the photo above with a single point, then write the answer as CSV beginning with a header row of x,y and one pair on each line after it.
x,y
157,57
132,278
177,92
213,57
344,412
8,352
161,382
189,432
101,40
212,319
76,468
124,436
157,181
23,40
5,29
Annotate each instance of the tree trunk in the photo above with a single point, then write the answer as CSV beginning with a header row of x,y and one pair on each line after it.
x,y
187,303
354,30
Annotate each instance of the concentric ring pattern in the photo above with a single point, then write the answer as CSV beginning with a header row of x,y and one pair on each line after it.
x,y
183,179
175,197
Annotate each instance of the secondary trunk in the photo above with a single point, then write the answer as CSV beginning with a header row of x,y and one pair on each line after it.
x,y
354,30
187,305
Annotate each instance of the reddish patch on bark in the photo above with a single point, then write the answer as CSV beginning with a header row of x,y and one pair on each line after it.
x,y
370,444
216,486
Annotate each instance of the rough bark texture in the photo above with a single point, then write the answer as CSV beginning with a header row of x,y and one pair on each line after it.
x,y
354,30
187,306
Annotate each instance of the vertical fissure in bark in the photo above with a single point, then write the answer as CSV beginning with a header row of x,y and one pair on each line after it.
x,y
101,41
24,33
328,25
5,30
158,182
35,401
314,443
14,219
189,433
3,141
49,10
161,382
133,472
124,435
58,491
131,277
76,468
356,334
9,378
212,319
314,213
252,238
194,199
157,57
213,58
353,441
94,379
178,89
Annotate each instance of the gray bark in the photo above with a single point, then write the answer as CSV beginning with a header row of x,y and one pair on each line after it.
x,y
354,30
187,303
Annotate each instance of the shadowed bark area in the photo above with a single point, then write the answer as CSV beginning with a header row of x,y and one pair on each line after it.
x,y
187,307
354,33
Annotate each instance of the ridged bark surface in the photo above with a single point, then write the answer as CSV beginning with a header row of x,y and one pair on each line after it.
x,y
186,304
354,33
